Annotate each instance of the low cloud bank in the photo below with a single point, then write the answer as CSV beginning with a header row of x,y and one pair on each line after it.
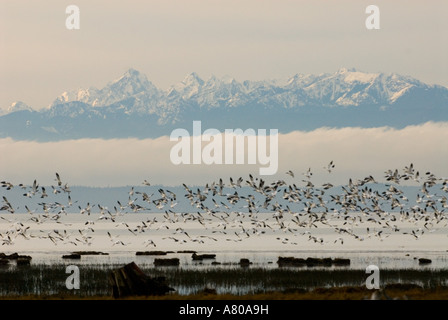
x,y
356,152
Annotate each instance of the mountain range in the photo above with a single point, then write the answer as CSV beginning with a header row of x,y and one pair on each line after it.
x,y
131,106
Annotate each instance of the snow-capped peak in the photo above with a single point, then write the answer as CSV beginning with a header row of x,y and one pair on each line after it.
x,y
189,86
18,106
15,106
356,76
139,80
130,84
132,73
192,80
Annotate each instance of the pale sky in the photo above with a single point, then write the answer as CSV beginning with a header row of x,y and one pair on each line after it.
x,y
246,39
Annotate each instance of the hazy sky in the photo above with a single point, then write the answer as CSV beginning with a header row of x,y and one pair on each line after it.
x,y
246,39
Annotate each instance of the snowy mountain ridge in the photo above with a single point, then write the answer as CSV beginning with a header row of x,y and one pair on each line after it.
x,y
346,87
132,106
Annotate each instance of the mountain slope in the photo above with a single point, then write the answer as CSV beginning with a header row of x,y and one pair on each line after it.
x,y
132,106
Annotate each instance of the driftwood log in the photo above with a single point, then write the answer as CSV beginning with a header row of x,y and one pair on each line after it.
x,y
312,262
73,256
166,262
21,260
131,281
424,261
195,256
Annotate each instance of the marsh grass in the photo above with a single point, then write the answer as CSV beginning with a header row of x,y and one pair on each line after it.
x,y
47,280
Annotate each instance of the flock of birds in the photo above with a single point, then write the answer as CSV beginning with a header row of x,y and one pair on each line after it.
x,y
241,209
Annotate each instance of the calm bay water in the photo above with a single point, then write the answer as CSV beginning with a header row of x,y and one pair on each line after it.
x,y
123,237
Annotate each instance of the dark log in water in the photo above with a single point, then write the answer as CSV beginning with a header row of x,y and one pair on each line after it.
x,y
21,260
13,256
245,262
195,256
167,262
74,256
131,281
424,261
311,262
341,262
152,253
91,253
